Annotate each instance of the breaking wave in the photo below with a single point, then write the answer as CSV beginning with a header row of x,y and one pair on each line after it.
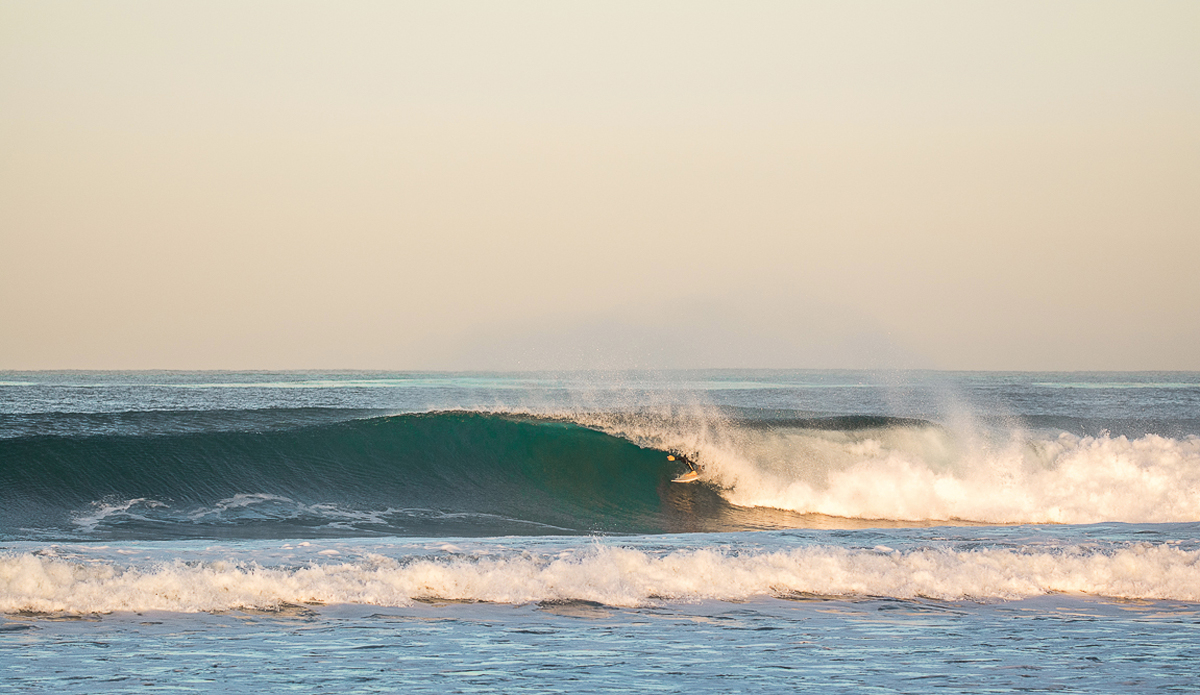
x,y
607,575
467,473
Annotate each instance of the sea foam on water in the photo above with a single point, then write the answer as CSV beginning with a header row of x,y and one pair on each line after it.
x,y
610,575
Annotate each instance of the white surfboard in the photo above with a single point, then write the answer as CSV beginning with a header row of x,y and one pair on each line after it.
x,y
689,477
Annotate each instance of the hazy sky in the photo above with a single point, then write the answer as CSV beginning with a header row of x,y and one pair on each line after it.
x,y
458,185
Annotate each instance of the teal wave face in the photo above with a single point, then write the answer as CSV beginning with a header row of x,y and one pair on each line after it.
x,y
437,474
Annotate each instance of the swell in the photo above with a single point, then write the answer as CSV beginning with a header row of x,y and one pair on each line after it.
x,y
161,422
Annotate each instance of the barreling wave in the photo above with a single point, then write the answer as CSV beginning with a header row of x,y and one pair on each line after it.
x,y
606,575
464,473
446,473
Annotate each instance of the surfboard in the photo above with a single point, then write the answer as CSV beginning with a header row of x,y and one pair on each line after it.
x,y
689,477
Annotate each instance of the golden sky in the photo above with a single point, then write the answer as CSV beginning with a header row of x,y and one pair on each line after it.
x,y
520,185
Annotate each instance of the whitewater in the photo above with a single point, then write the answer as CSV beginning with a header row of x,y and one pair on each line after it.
x,y
1001,531
612,575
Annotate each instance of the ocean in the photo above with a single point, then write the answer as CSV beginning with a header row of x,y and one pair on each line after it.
x,y
850,531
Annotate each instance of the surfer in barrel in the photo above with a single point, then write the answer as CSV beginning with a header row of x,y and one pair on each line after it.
x,y
693,471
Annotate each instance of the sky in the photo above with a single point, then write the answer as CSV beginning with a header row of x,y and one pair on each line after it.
x,y
600,185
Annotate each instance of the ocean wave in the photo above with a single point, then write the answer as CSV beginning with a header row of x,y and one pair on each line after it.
x,y
530,473
572,472
604,574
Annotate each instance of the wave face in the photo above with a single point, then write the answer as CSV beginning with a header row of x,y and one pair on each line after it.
x,y
437,474
615,576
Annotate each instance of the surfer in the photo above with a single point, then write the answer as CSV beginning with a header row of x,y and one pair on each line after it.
x,y
681,457
693,473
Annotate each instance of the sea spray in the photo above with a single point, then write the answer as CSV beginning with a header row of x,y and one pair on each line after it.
x,y
902,469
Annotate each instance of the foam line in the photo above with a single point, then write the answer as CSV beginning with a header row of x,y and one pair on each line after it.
x,y
609,575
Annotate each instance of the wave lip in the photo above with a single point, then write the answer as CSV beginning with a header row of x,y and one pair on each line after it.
x,y
607,575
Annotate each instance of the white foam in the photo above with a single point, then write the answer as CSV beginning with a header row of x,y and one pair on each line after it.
x,y
608,575
1064,480
103,512
264,506
932,474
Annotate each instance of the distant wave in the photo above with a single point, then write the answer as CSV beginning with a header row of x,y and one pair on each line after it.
x,y
475,473
606,575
